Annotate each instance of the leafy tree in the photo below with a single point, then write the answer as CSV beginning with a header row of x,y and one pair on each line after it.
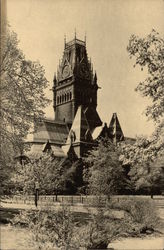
x,y
149,52
22,90
144,156
47,171
22,96
103,172
55,175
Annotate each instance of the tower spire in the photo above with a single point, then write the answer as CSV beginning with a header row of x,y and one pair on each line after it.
x,y
75,33
85,38
64,40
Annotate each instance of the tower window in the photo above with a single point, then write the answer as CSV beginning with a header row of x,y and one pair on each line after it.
x,y
57,99
70,94
67,96
60,99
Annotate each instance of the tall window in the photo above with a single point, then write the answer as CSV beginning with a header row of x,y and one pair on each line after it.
x,y
62,98
67,96
70,94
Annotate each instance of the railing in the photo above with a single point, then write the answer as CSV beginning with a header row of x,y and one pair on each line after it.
x,y
76,199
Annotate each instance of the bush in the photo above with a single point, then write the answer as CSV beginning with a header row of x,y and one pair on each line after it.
x,y
49,228
140,215
63,229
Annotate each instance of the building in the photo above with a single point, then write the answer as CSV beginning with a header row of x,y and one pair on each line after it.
x,y
75,88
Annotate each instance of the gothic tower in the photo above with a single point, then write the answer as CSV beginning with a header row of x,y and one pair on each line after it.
x,y
75,85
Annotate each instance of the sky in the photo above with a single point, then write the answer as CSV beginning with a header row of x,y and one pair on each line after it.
x,y
108,25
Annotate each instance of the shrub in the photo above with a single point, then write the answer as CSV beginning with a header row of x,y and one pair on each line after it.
x,y
140,215
49,228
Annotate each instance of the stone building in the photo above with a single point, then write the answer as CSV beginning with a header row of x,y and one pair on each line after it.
x,y
75,89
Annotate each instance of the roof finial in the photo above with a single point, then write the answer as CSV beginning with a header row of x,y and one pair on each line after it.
x,y
64,40
85,38
75,33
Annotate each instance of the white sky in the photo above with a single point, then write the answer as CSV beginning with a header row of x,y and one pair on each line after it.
x,y
41,26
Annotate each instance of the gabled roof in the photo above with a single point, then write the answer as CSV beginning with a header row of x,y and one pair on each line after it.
x,y
54,131
79,132
92,117
115,129
37,149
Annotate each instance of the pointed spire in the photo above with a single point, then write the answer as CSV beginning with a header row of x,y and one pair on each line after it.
x,y
75,33
85,38
64,40
54,80
95,78
115,129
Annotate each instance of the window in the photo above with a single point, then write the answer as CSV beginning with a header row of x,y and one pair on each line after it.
x,y
62,98
70,94
67,96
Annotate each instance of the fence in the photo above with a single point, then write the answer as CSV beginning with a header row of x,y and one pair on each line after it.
x,y
76,199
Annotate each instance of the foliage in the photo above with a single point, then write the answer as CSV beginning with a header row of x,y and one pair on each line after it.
x,y
140,215
46,171
59,227
55,175
22,97
103,170
145,156
101,227
49,228
149,52
94,234
146,160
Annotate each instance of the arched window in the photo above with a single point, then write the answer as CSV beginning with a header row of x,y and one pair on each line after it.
x,y
67,96
70,94
57,99
60,98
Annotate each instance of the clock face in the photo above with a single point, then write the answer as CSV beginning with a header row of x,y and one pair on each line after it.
x,y
66,71
84,70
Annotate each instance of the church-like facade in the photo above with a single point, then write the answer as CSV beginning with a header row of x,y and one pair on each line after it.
x,y
75,88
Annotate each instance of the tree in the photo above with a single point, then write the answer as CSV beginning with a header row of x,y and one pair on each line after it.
x,y
144,156
22,90
46,170
149,52
103,172
22,96
55,175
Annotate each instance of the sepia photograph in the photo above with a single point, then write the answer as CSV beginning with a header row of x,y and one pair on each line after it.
x,y
82,125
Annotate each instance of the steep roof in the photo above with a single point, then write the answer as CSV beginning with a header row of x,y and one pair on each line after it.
x,y
54,131
92,117
79,132
115,128
113,131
